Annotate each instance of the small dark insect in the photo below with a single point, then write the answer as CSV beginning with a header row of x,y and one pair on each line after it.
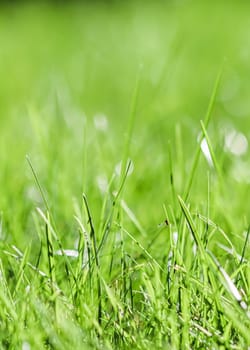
x,y
163,223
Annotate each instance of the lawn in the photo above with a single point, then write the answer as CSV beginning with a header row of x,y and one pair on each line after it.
x,y
125,175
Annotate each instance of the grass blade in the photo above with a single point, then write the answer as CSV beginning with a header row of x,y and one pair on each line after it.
x,y
206,123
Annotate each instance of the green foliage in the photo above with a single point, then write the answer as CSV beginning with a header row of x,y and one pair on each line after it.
x,y
124,212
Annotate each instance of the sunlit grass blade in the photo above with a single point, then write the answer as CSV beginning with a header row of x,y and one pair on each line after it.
x,y
231,287
133,218
192,227
206,123
216,165
38,184
20,274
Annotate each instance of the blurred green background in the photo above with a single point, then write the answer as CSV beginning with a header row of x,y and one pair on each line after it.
x,y
68,71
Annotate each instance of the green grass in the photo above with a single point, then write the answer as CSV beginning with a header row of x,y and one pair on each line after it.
x,y
124,201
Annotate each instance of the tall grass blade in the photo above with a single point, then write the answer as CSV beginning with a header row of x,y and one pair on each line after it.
x,y
206,123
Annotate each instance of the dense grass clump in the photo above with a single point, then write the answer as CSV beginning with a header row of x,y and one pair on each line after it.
x,y
124,211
